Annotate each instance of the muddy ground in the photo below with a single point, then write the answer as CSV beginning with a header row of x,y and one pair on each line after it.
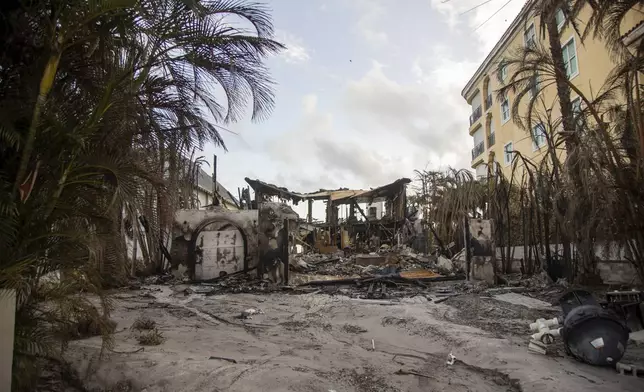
x,y
316,342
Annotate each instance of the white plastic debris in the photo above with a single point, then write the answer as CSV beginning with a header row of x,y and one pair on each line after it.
x,y
598,343
451,358
248,313
373,345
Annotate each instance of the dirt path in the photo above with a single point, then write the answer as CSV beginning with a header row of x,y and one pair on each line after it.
x,y
317,342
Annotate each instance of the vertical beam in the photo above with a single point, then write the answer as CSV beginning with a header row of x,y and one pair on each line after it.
x,y
328,211
215,199
309,216
285,250
468,248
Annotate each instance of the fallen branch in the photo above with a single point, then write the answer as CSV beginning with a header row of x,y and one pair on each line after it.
x,y
126,352
415,373
224,359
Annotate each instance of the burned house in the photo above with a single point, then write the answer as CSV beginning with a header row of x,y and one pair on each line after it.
x,y
347,224
215,242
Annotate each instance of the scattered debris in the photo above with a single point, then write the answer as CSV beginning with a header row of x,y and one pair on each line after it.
x,y
249,313
450,359
544,336
626,369
414,373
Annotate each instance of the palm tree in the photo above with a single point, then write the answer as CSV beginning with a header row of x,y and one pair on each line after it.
x,y
101,102
586,136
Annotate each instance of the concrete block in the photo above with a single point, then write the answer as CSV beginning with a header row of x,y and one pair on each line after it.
x,y
636,338
528,302
482,268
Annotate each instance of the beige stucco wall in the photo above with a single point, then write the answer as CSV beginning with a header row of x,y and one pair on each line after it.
x,y
594,64
7,320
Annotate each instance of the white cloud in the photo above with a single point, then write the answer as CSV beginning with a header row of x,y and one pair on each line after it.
x,y
371,22
487,32
296,52
379,129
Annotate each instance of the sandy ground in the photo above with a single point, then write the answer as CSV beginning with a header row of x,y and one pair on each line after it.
x,y
317,342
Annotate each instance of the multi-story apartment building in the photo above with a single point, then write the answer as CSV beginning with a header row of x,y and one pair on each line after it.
x,y
495,136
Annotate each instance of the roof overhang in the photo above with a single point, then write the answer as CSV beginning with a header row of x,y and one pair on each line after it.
x,y
500,45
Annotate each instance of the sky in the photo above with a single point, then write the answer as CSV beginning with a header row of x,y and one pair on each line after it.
x,y
366,92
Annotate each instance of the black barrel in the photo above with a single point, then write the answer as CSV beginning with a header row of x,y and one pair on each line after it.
x,y
592,334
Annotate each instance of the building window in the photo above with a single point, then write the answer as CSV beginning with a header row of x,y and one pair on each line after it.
x,y
534,86
503,70
508,153
505,109
538,136
560,18
529,36
570,58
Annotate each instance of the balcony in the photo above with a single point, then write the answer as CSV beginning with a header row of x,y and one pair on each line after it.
x,y
478,150
488,102
476,114
491,139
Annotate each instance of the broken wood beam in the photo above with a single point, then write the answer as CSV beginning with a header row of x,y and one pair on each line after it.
x,y
355,204
393,278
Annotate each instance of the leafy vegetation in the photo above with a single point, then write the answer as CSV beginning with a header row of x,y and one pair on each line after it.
x,y
144,324
151,338
102,103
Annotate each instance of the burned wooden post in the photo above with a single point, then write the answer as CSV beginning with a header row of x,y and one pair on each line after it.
x,y
468,247
285,250
215,199
309,216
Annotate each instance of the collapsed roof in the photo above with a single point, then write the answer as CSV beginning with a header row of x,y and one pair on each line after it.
x,y
338,196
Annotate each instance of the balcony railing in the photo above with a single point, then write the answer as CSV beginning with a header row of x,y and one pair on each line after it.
x,y
491,139
488,102
478,150
476,114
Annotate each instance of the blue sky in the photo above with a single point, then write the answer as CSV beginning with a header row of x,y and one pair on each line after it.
x,y
367,91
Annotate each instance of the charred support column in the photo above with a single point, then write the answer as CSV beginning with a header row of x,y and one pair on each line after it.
x,y
215,199
309,216
468,248
263,247
285,249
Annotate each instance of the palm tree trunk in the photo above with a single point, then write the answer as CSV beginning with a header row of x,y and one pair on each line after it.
x,y
585,245
563,90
